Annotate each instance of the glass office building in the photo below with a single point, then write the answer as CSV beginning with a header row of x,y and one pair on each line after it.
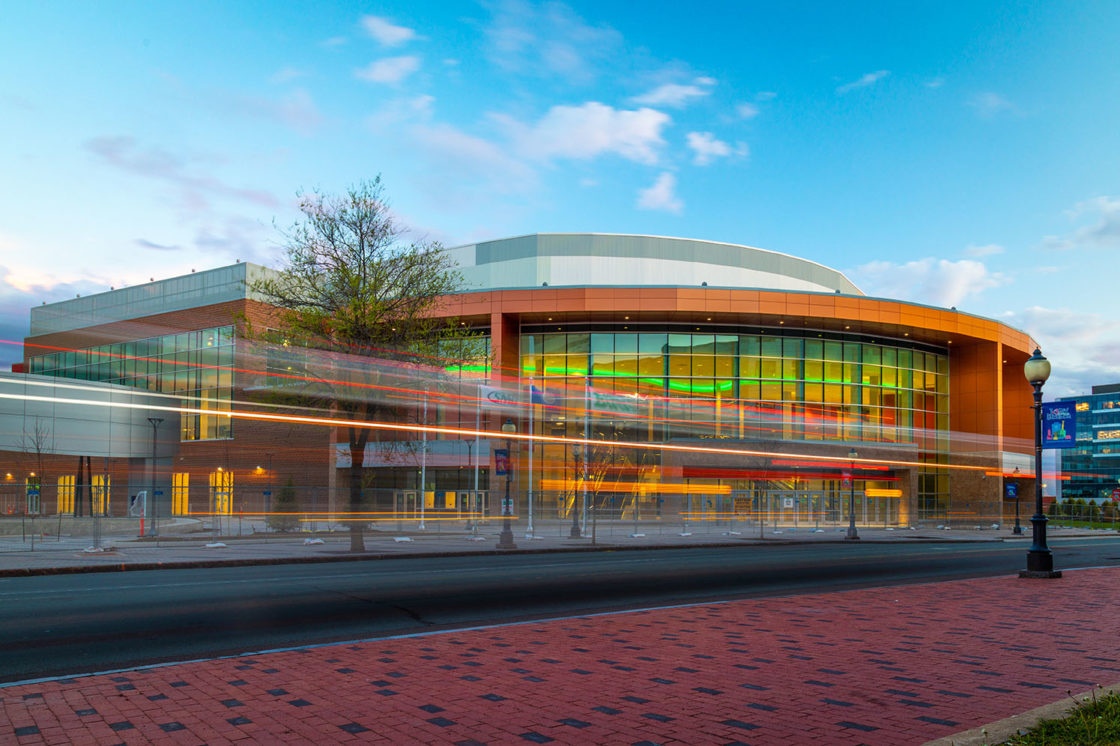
x,y
1092,467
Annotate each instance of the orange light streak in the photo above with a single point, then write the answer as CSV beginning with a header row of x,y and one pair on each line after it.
x,y
640,487
469,432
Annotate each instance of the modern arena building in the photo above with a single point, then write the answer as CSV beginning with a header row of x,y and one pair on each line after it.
x,y
653,375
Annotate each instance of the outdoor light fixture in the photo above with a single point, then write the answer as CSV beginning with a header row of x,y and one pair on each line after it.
x,y
1040,562
852,534
505,540
574,533
1018,530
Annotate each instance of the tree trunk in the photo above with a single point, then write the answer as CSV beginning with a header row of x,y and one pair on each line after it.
x,y
358,438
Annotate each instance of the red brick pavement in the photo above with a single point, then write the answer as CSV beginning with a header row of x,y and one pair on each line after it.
x,y
879,666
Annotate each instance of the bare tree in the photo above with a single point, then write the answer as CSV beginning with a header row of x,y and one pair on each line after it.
x,y
35,443
350,284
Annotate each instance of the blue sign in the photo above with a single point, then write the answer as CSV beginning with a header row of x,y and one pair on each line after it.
x,y
501,462
1059,425
1012,490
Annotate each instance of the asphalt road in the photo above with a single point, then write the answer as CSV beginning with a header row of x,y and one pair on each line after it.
x,y
69,624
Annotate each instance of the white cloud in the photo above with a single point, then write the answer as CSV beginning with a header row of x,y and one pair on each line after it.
x,y
765,96
389,69
1083,348
937,282
990,104
868,79
675,95
746,111
335,41
707,148
590,130
661,196
387,33
935,82
986,250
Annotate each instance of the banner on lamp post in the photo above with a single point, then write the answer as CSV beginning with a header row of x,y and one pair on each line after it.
x,y
1059,425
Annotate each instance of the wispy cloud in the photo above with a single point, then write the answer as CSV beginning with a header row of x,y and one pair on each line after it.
x,y
937,282
146,244
676,95
400,111
706,148
285,75
935,82
989,104
1084,348
1100,230
985,250
590,130
124,153
386,32
746,111
661,195
389,69
866,80
548,40
294,109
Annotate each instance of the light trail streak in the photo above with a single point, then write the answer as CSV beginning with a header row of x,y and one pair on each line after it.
x,y
470,432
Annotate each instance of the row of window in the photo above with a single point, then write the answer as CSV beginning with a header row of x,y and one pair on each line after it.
x,y
197,366
733,345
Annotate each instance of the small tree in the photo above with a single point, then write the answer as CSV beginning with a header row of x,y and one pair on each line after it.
x,y
351,285
282,517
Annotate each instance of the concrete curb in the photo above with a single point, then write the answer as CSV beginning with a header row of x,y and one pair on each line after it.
x,y
1002,730
18,572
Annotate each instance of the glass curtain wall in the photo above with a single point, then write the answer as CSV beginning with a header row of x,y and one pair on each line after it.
x,y
661,386
196,366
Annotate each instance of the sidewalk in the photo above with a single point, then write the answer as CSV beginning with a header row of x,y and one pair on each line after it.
x,y
875,666
18,556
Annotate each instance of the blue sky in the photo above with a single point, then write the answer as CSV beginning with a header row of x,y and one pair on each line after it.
x,y
956,154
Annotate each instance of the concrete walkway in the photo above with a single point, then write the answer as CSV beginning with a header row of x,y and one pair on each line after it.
x,y
899,665
20,556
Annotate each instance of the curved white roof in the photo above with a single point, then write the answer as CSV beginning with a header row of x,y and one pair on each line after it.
x,y
604,259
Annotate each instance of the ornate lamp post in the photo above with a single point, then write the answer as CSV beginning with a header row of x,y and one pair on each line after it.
x,y
1040,562
1018,530
575,532
852,534
153,502
505,540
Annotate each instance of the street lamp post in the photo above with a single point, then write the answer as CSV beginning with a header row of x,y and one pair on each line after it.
x,y
575,532
852,533
505,540
155,510
470,463
1040,562
1018,530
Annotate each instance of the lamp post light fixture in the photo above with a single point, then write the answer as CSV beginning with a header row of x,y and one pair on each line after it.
x,y
1040,562
852,533
1018,530
155,509
470,463
574,533
505,540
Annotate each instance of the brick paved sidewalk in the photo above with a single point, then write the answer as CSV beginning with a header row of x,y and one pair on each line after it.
x,y
879,666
